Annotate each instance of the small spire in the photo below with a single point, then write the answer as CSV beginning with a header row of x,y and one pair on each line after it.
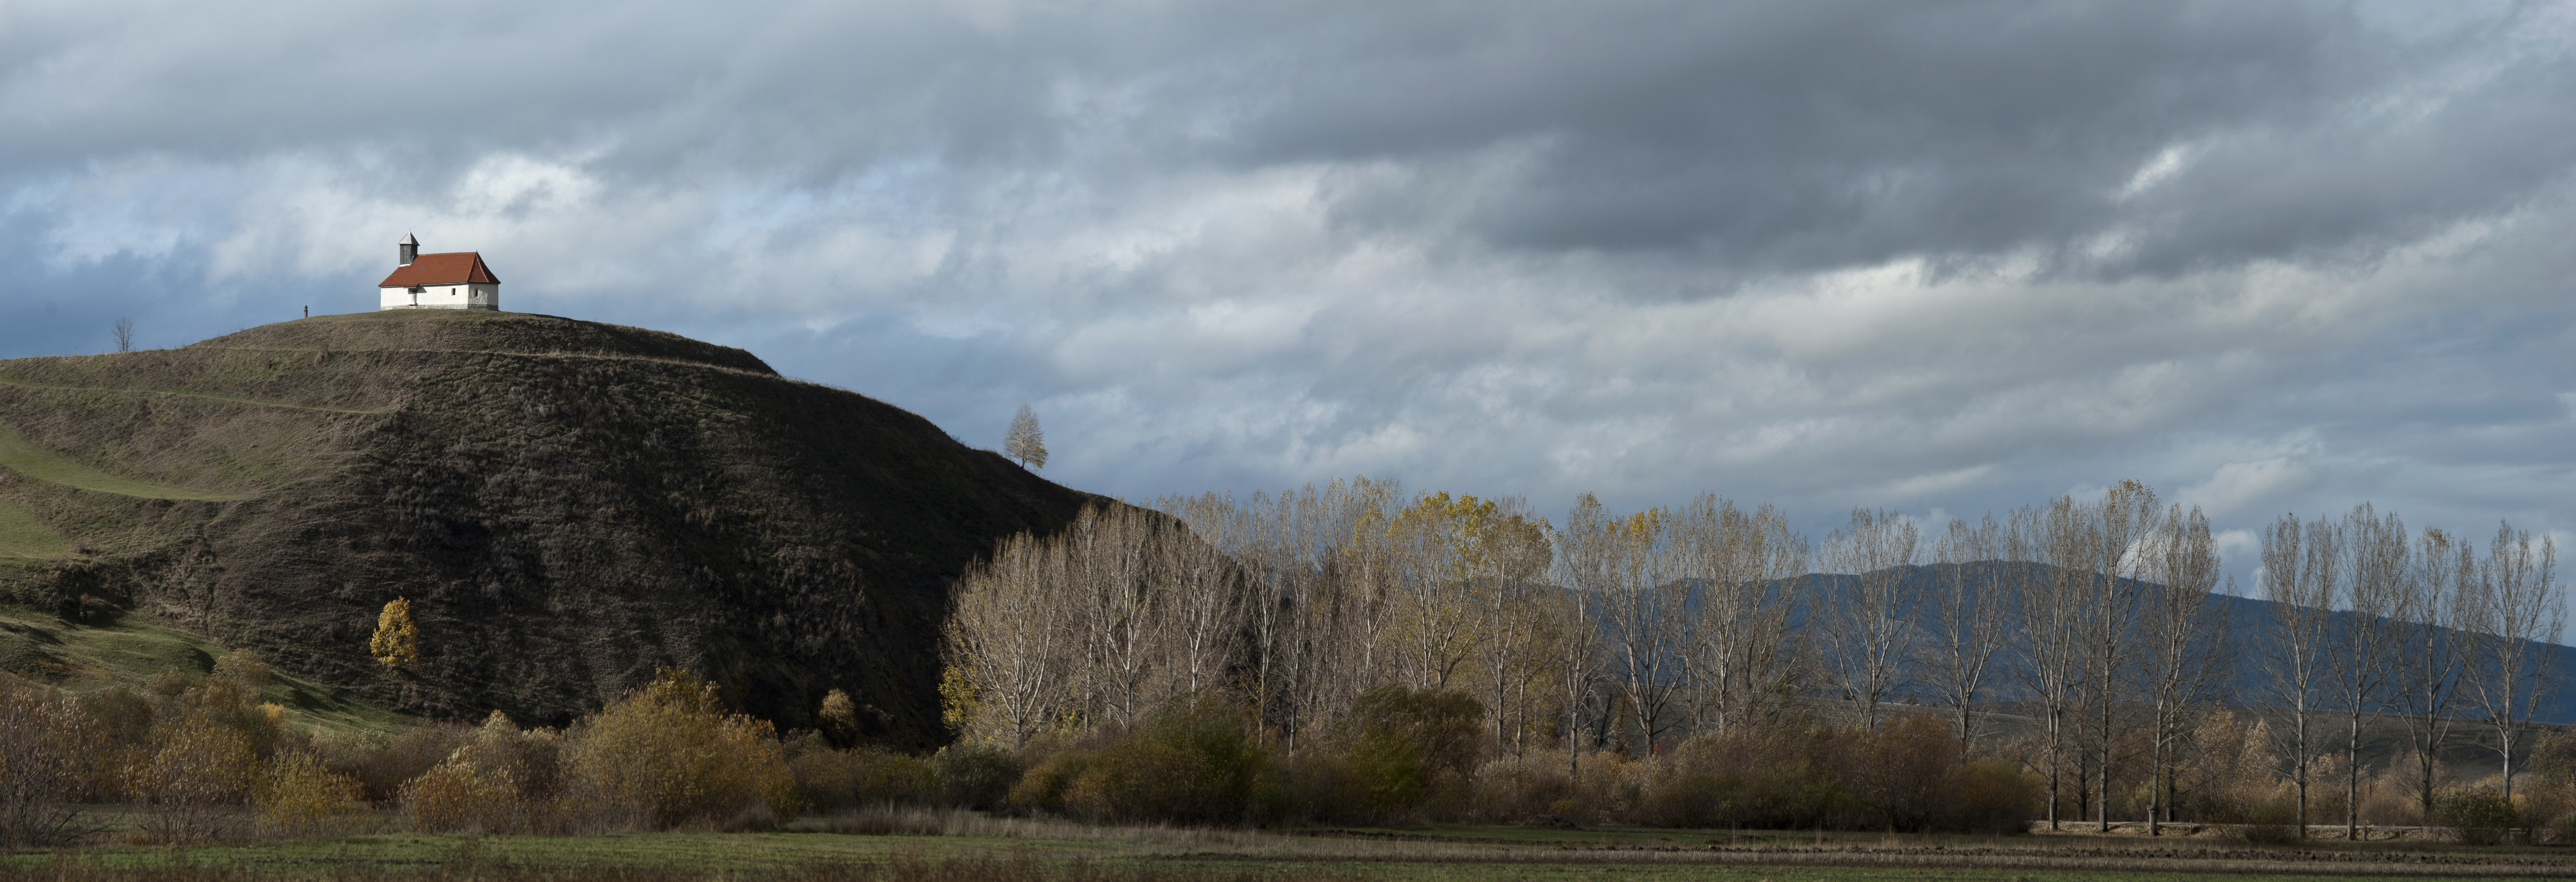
x,y
410,249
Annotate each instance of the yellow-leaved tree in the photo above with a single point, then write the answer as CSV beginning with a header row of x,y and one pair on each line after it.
x,y
396,642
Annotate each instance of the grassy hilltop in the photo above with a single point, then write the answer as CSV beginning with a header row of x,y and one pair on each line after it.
x,y
568,505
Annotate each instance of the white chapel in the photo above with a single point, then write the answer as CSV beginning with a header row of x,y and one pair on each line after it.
x,y
454,280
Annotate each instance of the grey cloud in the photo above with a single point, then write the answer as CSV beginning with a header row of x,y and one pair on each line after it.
x,y
1821,254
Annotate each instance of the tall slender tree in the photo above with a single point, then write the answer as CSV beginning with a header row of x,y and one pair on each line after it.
x,y
1743,567
2048,606
1584,561
1966,617
2111,565
2183,646
1645,614
2360,653
2428,652
1863,605
2300,562
2516,608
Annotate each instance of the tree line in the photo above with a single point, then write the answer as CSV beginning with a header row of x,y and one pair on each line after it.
x,y
2079,636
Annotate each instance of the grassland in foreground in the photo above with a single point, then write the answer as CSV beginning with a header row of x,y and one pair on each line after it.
x,y
977,847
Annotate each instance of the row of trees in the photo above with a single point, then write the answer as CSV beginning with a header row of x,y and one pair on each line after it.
x,y
2368,619
2092,618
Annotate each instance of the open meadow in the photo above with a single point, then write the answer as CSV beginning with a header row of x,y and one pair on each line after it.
x,y
931,845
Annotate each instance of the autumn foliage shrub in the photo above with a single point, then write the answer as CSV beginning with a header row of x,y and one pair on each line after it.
x,y
45,744
499,779
667,755
204,753
299,797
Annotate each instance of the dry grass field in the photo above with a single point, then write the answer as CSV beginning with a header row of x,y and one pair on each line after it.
x,y
937,846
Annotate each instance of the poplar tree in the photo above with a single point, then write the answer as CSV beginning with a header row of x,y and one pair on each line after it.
x,y
1026,443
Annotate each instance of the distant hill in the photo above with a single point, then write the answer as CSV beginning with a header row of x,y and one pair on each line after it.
x,y
2249,633
568,505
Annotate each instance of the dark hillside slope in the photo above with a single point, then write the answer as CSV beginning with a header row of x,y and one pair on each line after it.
x,y
568,505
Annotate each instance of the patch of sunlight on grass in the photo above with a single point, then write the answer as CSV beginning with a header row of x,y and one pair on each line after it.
x,y
24,457
23,535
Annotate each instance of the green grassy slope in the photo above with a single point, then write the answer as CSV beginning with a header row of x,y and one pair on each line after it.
x,y
113,647
24,535
568,506
36,462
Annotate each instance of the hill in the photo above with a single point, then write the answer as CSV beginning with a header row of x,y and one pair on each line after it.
x,y
568,506
2248,631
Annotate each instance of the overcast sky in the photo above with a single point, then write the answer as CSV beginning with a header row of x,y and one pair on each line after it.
x,y
1943,258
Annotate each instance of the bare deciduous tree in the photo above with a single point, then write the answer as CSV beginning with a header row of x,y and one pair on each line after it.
x,y
1026,442
2048,605
1742,568
1966,617
1585,567
1008,645
2300,562
2182,655
2361,652
1645,616
1862,605
2110,562
2428,651
124,335
2513,608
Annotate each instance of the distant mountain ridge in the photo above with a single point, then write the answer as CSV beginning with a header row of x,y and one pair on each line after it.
x,y
568,505
2249,635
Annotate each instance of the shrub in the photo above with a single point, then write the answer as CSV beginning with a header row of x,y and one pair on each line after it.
x,y
2270,824
500,779
838,780
1515,788
43,745
300,798
1194,761
1991,797
457,797
975,775
1043,786
196,767
383,763
1904,773
2475,817
838,720
1402,747
666,754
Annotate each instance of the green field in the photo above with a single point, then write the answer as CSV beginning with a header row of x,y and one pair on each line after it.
x,y
28,459
972,847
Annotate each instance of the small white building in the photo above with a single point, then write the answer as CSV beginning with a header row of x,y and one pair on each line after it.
x,y
454,280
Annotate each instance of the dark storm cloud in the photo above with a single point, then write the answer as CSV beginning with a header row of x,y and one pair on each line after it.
x,y
1933,255
1801,136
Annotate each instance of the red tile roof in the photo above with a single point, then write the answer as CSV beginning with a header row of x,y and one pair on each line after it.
x,y
452,268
